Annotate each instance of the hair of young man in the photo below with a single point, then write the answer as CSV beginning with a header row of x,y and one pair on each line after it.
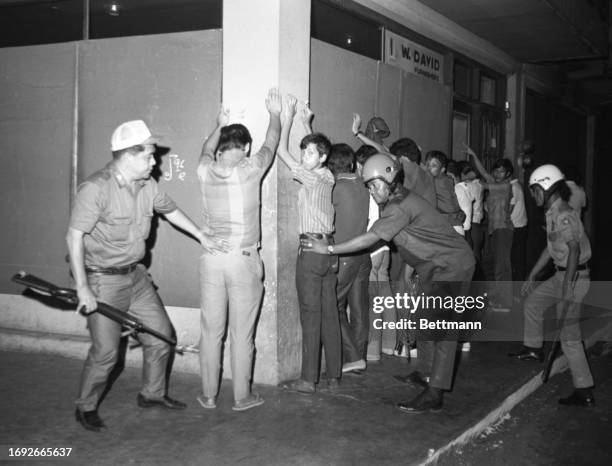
x,y
504,163
341,159
452,168
364,153
398,181
133,150
465,167
562,189
319,140
438,155
406,147
234,136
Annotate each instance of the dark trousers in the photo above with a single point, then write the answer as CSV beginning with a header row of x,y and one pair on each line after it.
x,y
475,237
315,279
519,254
439,350
498,248
352,290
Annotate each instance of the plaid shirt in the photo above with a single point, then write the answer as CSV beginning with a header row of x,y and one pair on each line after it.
x,y
231,201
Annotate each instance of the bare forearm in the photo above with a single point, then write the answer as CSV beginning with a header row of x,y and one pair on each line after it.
x,y
178,218
208,149
359,243
273,133
283,147
482,170
572,265
76,251
370,142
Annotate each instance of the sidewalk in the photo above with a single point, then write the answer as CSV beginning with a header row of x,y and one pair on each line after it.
x,y
356,425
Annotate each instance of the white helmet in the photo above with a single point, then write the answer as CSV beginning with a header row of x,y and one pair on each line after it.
x,y
546,176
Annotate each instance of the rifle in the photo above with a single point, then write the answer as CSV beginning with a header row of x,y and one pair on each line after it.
x,y
550,357
127,320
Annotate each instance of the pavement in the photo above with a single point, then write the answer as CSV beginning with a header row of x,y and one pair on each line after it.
x,y
357,424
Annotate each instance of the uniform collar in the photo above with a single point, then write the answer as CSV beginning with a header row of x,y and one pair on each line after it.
x,y
121,181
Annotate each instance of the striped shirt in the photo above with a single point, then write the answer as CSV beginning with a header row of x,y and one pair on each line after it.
x,y
231,200
315,209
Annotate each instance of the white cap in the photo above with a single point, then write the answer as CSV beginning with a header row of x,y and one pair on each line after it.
x,y
131,133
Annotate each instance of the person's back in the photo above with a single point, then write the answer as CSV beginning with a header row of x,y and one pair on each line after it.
x,y
427,242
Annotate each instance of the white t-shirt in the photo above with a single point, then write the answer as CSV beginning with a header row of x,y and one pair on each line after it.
x,y
373,215
519,213
466,199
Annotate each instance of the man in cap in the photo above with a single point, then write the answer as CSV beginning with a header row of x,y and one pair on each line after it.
x,y
110,221
427,242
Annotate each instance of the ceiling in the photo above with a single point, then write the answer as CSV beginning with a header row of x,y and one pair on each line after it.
x,y
571,37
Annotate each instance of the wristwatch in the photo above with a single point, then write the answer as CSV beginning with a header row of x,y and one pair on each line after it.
x,y
330,249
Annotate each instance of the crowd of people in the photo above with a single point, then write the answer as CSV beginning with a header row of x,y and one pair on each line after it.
x,y
375,222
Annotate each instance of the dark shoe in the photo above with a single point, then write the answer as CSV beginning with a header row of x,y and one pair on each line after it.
x,y
415,377
429,400
90,420
528,354
579,397
165,402
300,386
333,384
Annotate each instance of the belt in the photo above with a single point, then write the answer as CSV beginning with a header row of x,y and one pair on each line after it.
x,y
584,266
315,236
111,270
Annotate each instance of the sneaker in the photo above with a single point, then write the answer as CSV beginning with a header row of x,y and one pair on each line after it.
x,y
388,351
373,358
206,402
249,402
466,347
358,365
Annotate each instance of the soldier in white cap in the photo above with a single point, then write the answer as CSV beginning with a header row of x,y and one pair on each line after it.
x,y
109,223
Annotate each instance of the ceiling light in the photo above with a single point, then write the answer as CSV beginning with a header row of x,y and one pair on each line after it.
x,y
113,9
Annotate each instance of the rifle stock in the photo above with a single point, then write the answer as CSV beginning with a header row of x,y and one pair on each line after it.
x,y
550,357
70,296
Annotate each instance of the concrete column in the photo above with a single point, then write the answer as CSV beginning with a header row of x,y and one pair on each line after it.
x,y
266,43
512,137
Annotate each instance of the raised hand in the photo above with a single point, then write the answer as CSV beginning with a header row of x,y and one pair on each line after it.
x,y
274,101
291,108
223,116
356,123
468,150
306,114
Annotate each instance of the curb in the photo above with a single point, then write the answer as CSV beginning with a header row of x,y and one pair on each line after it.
x,y
560,365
